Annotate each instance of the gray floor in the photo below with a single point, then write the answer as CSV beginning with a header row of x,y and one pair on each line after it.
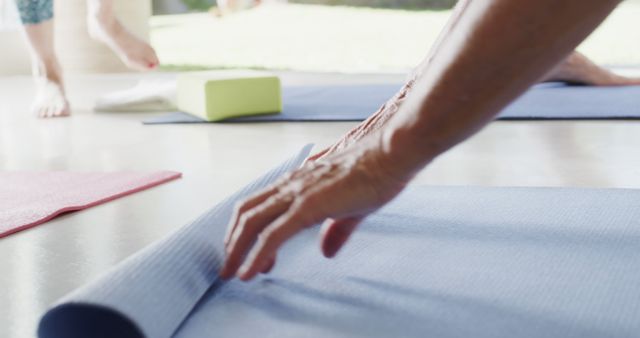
x,y
42,264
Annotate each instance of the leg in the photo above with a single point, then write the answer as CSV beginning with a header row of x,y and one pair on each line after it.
x,y
37,17
578,69
105,27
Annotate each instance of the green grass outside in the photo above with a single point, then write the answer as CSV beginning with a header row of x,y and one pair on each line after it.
x,y
340,39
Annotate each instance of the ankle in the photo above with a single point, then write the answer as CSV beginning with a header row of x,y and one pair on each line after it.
x,y
48,69
100,13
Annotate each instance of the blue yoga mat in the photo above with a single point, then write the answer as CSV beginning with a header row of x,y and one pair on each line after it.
x,y
548,101
436,262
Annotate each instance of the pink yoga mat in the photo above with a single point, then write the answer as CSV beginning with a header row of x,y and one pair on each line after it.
x,y
31,198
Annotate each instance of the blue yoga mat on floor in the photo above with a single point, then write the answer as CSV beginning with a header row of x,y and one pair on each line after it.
x,y
548,101
436,262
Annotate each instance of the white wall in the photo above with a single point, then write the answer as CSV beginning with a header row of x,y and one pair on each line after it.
x,y
14,54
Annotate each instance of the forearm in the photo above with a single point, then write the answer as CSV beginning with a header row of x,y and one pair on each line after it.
x,y
379,119
492,54
435,47
419,70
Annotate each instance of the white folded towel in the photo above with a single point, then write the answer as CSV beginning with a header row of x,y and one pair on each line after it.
x,y
146,96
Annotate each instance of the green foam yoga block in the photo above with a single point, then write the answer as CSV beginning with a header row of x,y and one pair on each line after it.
x,y
218,95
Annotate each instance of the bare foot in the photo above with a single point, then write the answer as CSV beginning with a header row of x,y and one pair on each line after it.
x,y
578,69
50,100
133,51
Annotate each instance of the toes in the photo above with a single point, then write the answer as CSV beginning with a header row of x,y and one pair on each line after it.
x,y
628,81
60,110
51,101
616,80
53,110
140,62
134,52
153,59
66,111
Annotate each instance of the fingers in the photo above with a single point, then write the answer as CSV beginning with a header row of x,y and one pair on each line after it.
x,y
336,232
249,225
270,240
341,187
243,207
269,266
262,257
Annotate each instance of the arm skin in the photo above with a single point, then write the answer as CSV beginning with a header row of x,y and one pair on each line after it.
x,y
575,69
492,54
482,66
378,119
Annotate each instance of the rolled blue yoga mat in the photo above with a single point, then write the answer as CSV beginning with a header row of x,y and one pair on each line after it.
x,y
436,262
548,101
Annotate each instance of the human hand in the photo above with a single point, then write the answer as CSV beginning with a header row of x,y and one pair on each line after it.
x,y
341,189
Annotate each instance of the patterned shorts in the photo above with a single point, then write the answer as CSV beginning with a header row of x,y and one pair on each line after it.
x,y
35,11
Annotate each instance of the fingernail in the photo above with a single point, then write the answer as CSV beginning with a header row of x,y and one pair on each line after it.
x,y
245,273
242,273
332,248
331,251
268,267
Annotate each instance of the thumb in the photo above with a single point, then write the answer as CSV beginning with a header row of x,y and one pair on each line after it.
x,y
336,232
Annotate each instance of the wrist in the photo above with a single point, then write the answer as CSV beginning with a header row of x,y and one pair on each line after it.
x,y
405,150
